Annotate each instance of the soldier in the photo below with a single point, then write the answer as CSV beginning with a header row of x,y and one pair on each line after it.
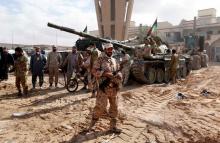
x,y
147,49
73,62
104,69
161,48
37,64
87,65
94,54
173,66
125,66
21,70
153,45
54,61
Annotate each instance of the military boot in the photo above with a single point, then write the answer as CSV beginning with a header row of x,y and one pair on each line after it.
x,y
113,128
25,91
93,122
93,94
19,93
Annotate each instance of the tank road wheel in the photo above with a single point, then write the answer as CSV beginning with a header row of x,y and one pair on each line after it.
x,y
166,76
150,74
137,71
160,75
184,72
178,73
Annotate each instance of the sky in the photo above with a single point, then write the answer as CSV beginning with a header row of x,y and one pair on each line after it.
x,y
25,21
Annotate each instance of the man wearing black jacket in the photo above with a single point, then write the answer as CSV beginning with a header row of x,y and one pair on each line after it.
x,y
6,61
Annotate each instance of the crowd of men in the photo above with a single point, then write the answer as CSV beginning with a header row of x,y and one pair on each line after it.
x,y
104,75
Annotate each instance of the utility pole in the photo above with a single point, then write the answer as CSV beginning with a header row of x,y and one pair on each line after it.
x,y
56,38
12,40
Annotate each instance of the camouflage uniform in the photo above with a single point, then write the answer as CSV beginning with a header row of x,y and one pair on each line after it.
x,y
173,67
95,53
147,51
107,64
126,68
21,70
139,53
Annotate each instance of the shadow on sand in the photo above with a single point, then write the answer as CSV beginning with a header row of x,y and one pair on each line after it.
x,y
82,136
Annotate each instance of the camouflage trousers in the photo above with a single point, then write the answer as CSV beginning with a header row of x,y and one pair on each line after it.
x,y
21,80
91,82
53,72
125,72
100,109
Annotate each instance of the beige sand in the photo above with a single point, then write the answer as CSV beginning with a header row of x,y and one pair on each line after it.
x,y
148,113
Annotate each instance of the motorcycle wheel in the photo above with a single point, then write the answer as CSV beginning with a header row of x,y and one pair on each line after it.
x,y
73,85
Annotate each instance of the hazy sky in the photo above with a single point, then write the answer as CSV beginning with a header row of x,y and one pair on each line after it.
x,y
26,20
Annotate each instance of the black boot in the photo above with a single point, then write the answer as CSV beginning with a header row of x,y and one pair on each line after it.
x,y
26,91
113,128
19,93
93,94
92,124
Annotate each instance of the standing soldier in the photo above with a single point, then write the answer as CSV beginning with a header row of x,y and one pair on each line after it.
x,y
54,61
125,66
104,70
173,66
73,62
21,70
37,64
94,54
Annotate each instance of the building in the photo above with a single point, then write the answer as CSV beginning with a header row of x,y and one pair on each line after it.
x,y
114,17
206,24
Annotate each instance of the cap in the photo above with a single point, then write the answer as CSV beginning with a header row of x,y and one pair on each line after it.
x,y
108,45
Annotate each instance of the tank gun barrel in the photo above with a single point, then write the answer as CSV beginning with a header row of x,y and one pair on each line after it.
x,y
129,40
82,34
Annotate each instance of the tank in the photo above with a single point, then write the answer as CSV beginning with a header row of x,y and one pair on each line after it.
x,y
194,45
148,70
156,69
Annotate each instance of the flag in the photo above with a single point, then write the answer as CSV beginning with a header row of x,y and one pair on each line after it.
x,y
85,30
153,28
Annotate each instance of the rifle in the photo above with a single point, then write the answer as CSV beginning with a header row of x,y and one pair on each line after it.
x,y
108,80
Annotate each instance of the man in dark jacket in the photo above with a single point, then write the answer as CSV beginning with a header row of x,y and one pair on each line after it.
x,y
1,53
6,61
37,64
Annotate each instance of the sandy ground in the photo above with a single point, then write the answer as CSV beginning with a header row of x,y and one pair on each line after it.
x,y
148,113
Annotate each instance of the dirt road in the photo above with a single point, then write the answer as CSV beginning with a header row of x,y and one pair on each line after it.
x,y
148,113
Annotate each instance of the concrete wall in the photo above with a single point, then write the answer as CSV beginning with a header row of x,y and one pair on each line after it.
x,y
114,17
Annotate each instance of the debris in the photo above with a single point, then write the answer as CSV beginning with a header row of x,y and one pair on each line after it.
x,y
19,114
205,93
9,141
180,96
109,139
67,126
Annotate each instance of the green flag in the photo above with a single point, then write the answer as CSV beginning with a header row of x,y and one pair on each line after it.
x,y
153,28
